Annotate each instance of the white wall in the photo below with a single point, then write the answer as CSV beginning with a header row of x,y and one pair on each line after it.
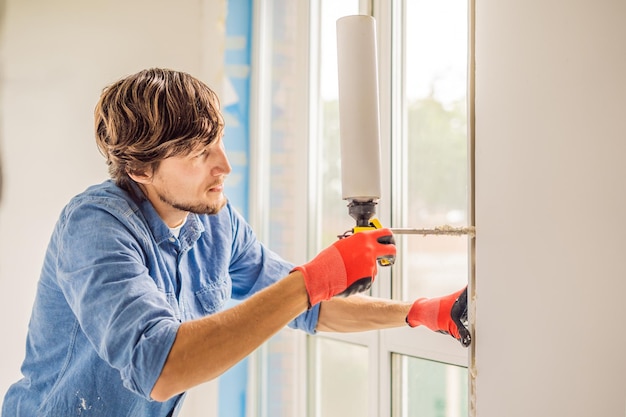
x,y
551,202
57,55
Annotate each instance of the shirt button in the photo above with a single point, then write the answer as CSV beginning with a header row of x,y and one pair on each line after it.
x,y
172,239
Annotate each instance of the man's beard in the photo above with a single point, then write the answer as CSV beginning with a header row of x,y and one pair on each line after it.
x,y
195,208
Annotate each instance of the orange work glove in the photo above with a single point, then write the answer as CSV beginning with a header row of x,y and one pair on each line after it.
x,y
347,266
446,314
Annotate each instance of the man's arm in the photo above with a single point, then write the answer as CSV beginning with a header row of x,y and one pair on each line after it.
x,y
447,314
207,347
361,313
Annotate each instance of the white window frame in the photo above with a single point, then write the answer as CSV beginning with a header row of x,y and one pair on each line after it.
x,y
381,344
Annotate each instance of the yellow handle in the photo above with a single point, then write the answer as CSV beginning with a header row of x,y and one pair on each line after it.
x,y
375,224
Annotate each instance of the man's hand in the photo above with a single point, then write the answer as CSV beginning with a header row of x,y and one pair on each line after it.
x,y
347,266
446,314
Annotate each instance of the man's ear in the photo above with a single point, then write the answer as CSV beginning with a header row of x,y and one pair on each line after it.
x,y
140,176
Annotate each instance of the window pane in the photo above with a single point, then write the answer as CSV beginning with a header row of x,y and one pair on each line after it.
x,y
437,265
287,111
334,214
281,371
436,173
283,111
423,388
341,379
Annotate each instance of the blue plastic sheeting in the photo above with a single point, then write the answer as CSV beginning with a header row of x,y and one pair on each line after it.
x,y
237,108
234,383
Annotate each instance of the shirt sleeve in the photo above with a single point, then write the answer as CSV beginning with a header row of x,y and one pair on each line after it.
x,y
101,271
254,267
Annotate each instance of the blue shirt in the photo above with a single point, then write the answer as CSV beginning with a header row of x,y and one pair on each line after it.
x,y
114,288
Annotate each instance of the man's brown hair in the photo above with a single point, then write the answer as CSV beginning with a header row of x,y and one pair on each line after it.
x,y
154,114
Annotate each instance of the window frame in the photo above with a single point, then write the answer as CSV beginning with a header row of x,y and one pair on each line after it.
x,y
382,344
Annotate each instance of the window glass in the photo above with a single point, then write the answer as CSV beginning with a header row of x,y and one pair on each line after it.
x,y
438,266
426,388
341,378
283,111
281,370
435,144
286,130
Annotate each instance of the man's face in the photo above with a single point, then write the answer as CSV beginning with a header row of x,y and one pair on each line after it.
x,y
190,183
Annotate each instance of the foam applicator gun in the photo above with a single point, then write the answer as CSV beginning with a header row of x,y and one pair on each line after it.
x,y
360,157
359,120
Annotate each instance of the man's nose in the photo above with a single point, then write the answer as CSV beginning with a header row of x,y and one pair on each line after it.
x,y
222,165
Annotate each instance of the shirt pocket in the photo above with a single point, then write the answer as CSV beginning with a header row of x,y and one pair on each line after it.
x,y
214,296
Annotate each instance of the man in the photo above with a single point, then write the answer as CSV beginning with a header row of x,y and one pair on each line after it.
x,y
129,307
